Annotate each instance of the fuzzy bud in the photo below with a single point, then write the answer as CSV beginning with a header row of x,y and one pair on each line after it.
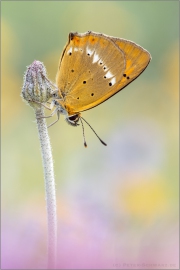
x,y
37,87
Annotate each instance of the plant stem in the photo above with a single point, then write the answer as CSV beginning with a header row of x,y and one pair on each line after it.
x,y
36,91
49,185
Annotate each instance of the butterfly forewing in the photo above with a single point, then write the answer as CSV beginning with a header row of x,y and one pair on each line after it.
x,y
91,68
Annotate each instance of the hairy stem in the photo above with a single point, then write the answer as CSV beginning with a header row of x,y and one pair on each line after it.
x,y
49,185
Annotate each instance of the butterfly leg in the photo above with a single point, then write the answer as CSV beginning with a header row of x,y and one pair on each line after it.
x,y
53,103
56,110
58,114
49,108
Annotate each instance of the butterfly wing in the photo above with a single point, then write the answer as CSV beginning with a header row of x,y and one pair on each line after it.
x,y
90,69
94,67
137,59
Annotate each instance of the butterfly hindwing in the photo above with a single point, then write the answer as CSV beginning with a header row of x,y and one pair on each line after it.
x,y
137,59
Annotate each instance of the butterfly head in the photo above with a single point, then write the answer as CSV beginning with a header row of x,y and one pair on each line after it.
x,y
60,108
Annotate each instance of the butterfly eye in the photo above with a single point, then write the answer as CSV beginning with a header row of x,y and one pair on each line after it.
x,y
73,120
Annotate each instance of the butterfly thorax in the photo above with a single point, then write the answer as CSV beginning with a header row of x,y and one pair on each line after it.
x,y
67,108
71,117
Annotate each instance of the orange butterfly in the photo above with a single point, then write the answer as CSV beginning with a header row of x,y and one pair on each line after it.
x,y
94,67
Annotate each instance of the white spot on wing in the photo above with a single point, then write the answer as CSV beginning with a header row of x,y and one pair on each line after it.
x,y
70,50
109,75
113,81
95,58
89,51
76,49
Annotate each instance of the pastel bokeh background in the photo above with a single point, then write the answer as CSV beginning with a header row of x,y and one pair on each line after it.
x,y
117,205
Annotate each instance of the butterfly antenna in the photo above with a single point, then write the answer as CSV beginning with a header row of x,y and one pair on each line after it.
x,y
85,144
93,130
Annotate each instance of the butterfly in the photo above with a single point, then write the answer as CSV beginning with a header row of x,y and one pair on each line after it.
x,y
93,67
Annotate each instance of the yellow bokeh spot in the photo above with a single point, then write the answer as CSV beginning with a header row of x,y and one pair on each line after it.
x,y
146,200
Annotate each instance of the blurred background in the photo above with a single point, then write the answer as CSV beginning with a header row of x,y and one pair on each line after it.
x,y
117,205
